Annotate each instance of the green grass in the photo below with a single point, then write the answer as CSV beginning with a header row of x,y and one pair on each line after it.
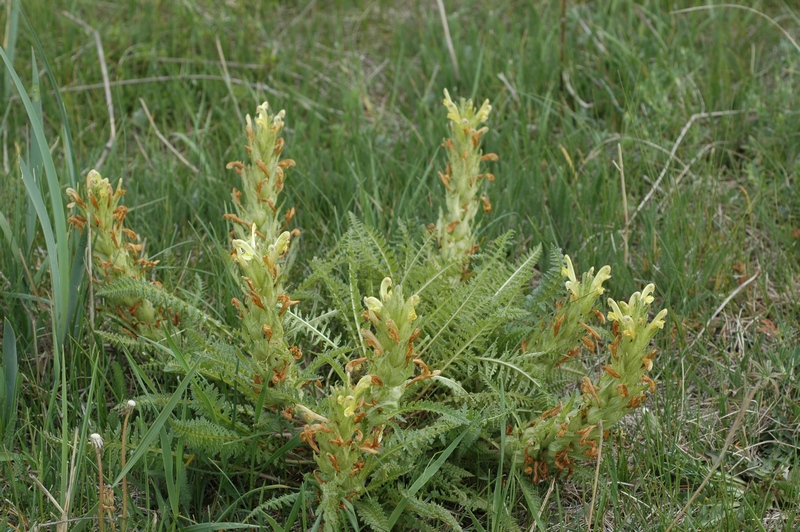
x,y
362,85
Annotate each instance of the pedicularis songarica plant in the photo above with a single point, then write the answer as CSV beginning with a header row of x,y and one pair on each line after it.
x,y
424,339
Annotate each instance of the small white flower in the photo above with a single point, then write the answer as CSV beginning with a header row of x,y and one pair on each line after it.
x,y
97,441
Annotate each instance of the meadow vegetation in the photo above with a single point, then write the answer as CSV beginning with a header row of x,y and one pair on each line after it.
x,y
361,305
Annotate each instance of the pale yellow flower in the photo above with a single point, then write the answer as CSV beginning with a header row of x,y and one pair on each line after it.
x,y
597,283
374,304
281,245
452,110
245,251
569,272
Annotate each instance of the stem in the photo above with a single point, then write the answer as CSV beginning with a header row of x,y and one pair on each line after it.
x,y
125,478
100,492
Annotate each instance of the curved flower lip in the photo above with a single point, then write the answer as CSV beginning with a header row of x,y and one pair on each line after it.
x,y
373,304
310,415
386,292
413,301
646,298
569,272
483,113
245,251
658,321
597,283
618,314
452,110
282,243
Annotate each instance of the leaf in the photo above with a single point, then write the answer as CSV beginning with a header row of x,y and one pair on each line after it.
x,y
155,429
372,513
57,248
425,477
10,368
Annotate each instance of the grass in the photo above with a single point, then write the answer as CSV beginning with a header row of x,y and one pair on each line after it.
x,y
362,84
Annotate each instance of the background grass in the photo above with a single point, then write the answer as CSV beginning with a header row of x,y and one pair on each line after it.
x,y
362,84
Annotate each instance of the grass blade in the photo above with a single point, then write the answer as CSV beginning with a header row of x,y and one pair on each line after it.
x,y
69,149
35,196
155,429
208,527
169,471
10,382
10,39
57,248
426,476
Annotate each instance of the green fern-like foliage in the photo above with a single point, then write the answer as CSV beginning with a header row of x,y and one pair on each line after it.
x,y
182,311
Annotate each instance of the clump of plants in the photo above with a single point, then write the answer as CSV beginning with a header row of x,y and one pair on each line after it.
x,y
430,352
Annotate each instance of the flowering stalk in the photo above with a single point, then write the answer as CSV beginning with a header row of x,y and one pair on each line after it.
x,y
97,443
569,431
561,339
356,415
462,179
261,247
116,252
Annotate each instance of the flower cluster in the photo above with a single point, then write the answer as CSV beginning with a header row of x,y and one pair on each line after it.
x,y
561,338
357,414
571,429
260,247
116,250
462,179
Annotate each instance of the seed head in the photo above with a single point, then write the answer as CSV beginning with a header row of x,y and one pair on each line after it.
x,y
97,441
